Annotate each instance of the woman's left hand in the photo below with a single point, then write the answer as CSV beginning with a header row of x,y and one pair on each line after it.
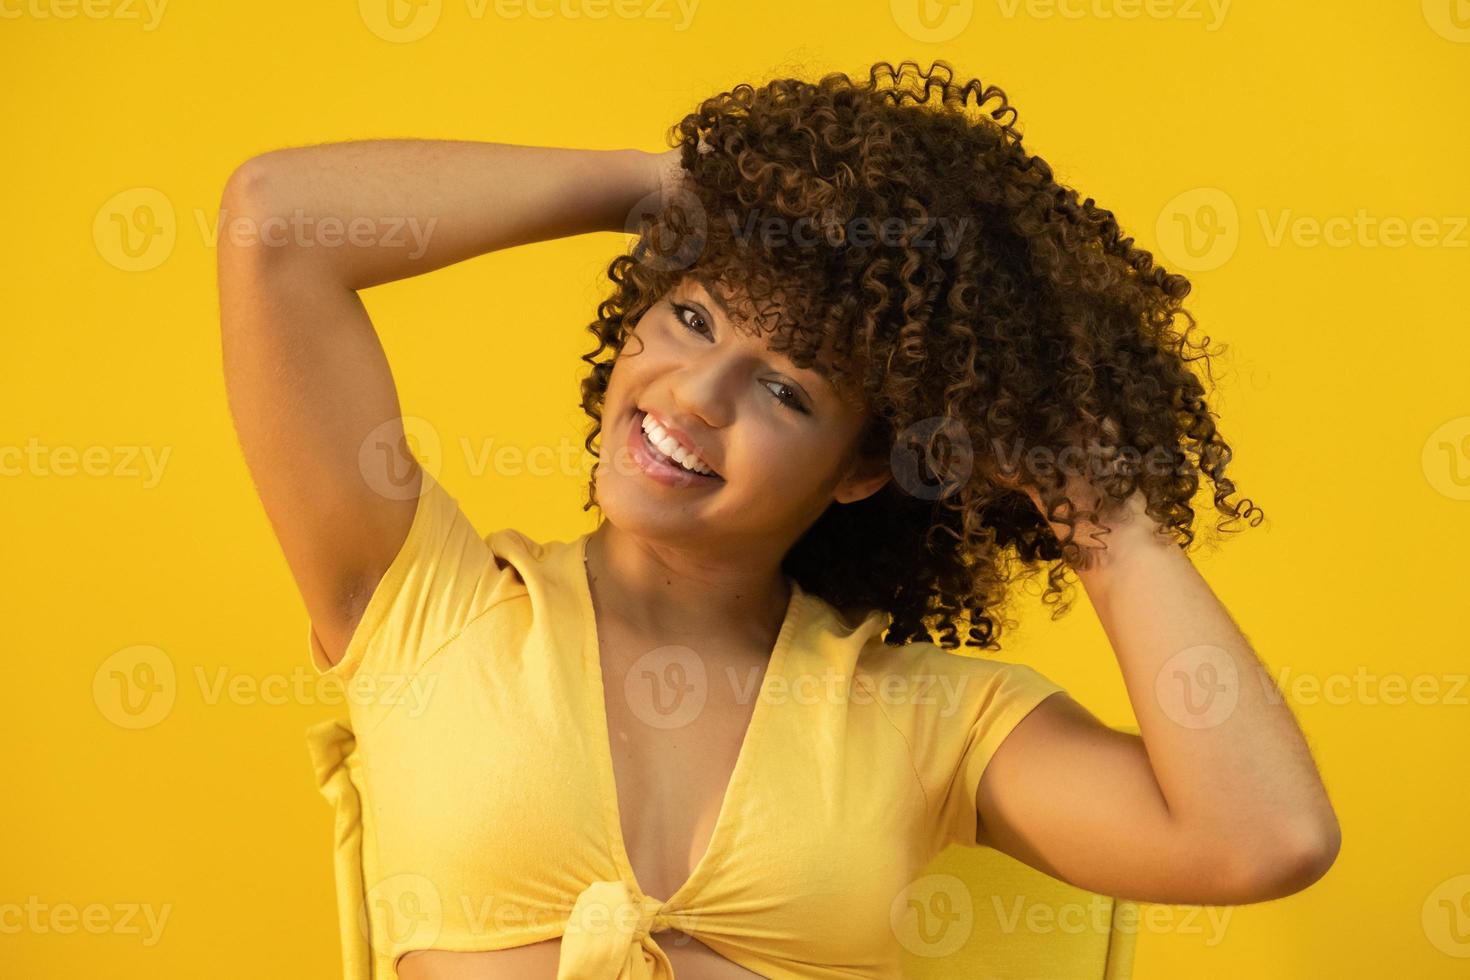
x,y
1084,496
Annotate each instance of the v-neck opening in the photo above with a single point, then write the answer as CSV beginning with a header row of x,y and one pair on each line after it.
x,y
744,758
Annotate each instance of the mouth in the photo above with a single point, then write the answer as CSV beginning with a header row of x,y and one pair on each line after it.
x,y
652,461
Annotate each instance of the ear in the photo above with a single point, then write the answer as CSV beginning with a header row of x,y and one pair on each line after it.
x,y
864,478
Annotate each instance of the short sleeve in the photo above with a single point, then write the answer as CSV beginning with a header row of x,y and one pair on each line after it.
x,y
994,696
444,575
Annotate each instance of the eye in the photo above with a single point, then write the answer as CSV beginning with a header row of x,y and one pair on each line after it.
x,y
790,399
793,400
680,309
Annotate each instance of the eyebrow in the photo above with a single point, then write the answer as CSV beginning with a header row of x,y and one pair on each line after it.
x,y
817,367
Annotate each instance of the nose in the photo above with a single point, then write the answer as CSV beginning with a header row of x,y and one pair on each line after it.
x,y
702,391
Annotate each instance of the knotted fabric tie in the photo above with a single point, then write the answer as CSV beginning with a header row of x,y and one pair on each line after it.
x,y
607,936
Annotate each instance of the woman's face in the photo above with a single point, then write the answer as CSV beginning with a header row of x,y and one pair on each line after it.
x,y
780,439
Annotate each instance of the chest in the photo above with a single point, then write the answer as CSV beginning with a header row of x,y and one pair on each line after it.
x,y
677,721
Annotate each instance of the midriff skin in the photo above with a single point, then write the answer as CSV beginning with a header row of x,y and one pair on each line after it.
x,y
691,960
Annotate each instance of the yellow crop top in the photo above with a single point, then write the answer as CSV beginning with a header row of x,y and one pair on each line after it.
x,y
473,784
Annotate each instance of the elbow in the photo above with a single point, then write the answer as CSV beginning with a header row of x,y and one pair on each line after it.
x,y
245,188
255,222
1293,862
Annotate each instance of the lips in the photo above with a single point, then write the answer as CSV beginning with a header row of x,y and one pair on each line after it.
x,y
682,439
655,464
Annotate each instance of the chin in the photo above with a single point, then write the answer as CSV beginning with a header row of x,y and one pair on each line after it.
x,y
627,503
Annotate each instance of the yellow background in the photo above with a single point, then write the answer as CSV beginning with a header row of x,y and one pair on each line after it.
x,y
1344,395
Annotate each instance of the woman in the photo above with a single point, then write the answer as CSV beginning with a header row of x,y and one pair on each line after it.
x,y
867,363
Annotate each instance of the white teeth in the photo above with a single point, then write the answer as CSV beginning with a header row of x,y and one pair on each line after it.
x,y
670,447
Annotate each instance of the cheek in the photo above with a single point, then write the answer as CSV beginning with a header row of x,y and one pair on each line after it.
x,y
643,354
629,368
782,457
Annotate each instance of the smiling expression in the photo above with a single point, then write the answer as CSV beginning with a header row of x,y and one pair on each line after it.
x,y
778,438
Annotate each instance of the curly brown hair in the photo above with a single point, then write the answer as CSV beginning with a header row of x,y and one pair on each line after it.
x,y
1037,327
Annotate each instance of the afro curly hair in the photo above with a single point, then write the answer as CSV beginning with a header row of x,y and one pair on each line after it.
x,y
980,313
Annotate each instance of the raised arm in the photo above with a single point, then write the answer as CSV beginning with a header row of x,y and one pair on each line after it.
x,y
307,381
1216,801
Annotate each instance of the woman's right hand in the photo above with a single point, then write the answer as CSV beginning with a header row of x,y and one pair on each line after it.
x,y
671,172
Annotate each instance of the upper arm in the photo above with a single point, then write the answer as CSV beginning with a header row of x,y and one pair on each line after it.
x,y
317,416
1078,800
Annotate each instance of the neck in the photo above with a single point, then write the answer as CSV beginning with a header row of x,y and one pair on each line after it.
x,y
664,590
